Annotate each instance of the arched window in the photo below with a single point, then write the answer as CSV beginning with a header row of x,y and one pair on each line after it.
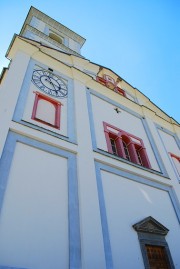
x,y
114,146
126,150
139,157
56,38
46,110
125,145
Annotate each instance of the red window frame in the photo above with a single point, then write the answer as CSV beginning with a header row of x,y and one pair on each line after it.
x,y
136,150
177,158
57,105
120,91
116,89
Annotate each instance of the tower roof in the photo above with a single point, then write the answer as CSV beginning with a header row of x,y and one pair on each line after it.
x,y
60,27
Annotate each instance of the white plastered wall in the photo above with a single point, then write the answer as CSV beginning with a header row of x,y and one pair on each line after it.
x,y
38,24
74,45
34,217
90,222
10,91
127,203
171,146
169,143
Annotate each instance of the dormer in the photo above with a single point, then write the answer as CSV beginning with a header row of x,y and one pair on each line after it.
x,y
40,27
110,80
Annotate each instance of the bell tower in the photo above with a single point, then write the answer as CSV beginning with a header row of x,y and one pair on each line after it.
x,y
40,27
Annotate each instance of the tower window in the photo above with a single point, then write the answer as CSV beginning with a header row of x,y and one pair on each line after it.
x,y
56,38
46,110
126,145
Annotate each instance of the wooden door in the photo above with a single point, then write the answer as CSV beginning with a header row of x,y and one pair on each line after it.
x,y
157,257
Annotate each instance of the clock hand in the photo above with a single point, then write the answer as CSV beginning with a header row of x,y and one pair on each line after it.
x,y
48,78
57,88
54,86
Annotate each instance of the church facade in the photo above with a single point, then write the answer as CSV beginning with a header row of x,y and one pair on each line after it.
x,y
89,167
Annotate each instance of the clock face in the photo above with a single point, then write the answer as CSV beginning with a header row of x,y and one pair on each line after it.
x,y
49,83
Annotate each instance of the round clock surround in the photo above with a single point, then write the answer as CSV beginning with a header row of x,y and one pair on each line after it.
x,y
49,83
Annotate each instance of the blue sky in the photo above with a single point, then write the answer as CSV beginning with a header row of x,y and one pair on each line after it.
x,y
139,40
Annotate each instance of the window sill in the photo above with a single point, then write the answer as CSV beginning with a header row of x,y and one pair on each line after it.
x,y
46,130
110,155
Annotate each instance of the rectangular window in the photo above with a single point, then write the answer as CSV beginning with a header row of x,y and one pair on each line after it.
x,y
126,145
46,110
